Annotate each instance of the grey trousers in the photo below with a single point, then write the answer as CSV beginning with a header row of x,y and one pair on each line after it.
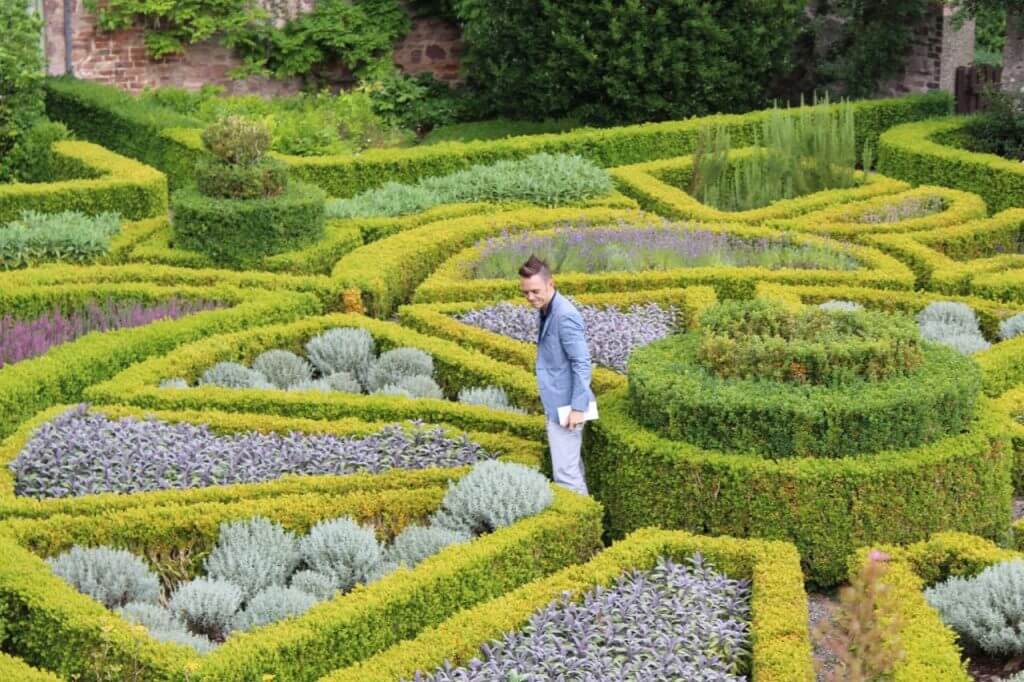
x,y
566,463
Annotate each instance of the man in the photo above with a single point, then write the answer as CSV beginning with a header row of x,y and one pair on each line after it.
x,y
563,371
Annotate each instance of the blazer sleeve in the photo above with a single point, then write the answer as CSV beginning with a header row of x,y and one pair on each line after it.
x,y
574,343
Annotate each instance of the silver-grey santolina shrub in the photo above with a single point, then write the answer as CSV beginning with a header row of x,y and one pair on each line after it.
x,y
253,554
399,363
342,349
1011,327
283,368
344,382
207,606
491,496
493,397
835,305
113,577
273,604
952,324
342,549
416,543
233,375
320,585
675,622
986,611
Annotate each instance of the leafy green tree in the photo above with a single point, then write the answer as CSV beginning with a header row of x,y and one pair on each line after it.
x,y
1013,47
21,74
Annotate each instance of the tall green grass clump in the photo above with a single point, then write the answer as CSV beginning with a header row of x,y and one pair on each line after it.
x,y
794,156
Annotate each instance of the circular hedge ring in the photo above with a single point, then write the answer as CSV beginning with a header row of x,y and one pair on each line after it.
x,y
674,395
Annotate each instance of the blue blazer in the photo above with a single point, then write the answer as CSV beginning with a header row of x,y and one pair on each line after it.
x,y
563,359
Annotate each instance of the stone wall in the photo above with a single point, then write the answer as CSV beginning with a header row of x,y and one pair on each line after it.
x,y
937,50
119,58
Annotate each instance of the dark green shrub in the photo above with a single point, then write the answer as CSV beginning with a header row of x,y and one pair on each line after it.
x,y
33,160
215,178
632,61
21,77
673,394
758,339
999,129
238,232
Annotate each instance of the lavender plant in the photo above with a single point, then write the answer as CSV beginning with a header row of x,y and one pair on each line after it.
x,y
26,338
81,453
636,248
675,622
907,209
612,333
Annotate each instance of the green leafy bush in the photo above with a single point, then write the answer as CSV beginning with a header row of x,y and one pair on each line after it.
x,y
214,178
999,129
32,159
544,179
615,62
21,76
69,236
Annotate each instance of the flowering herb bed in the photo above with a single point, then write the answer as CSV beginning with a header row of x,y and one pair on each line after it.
x,y
21,339
81,453
675,622
612,333
589,249
912,207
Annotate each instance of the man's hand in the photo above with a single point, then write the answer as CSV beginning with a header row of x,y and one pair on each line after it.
x,y
575,419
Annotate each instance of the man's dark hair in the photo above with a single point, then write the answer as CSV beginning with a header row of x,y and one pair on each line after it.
x,y
535,266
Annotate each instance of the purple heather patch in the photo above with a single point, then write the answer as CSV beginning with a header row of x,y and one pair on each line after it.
x,y
81,453
612,333
675,622
22,339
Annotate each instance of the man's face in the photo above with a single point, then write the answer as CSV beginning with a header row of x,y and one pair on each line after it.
x,y
537,290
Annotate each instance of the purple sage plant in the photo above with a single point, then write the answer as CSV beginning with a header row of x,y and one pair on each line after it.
x,y
612,333
81,453
675,622
21,339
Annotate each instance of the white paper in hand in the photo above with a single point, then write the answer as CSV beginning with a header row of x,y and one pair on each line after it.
x,y
589,414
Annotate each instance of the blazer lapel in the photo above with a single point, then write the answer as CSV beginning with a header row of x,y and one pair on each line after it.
x,y
547,320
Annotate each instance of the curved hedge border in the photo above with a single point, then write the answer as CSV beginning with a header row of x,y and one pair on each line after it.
x,y
384,274
657,186
507,447
925,153
826,507
12,668
781,651
95,113
106,182
931,649
677,397
438,320
55,626
65,371
454,367
842,220
1011,405
450,283
949,258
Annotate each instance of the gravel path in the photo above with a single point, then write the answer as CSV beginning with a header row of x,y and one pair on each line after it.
x,y
819,607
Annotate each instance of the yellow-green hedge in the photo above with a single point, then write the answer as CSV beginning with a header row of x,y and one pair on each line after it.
x,y
63,373
454,367
843,221
948,259
926,153
930,648
658,187
52,625
116,183
781,643
505,446
12,668
451,283
386,272
826,507
1011,405
438,319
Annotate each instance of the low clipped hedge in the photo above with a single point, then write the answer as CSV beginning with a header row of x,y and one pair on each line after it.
x,y
451,282
658,186
672,393
781,644
505,446
54,626
926,153
438,319
105,181
454,368
65,371
238,232
846,220
1011,405
930,648
948,259
97,114
12,668
826,507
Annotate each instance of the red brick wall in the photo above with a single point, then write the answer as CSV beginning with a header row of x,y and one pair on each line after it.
x,y
119,58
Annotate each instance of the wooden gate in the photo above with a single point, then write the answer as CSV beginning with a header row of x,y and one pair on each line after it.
x,y
971,83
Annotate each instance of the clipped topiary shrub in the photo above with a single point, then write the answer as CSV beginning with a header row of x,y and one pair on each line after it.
x,y
491,496
113,577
